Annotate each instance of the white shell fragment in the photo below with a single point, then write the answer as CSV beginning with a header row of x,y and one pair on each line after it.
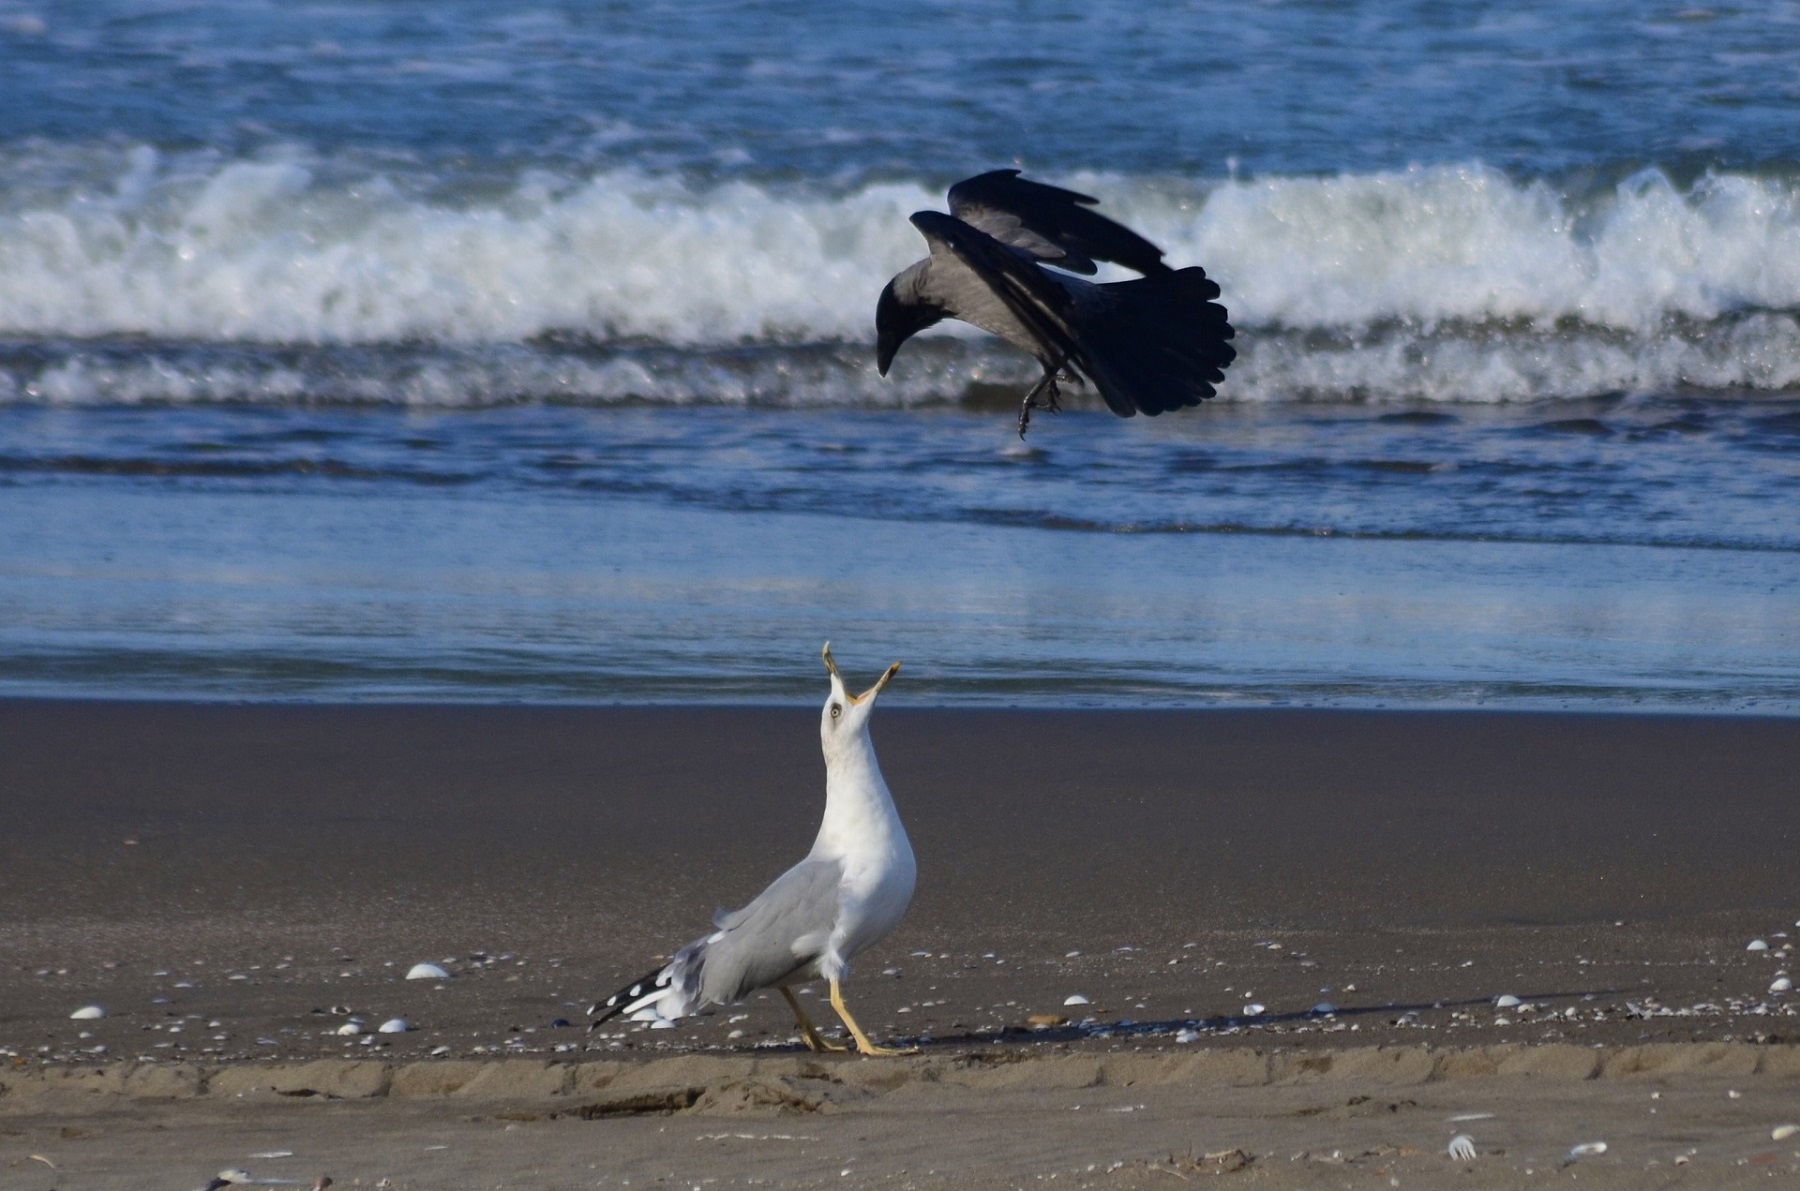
x,y
1757,945
1586,1149
1076,999
1506,1001
1253,1010
426,972
1781,984
393,1025
1324,1009
1187,1035
349,1028
88,1013
1461,1148
1783,1132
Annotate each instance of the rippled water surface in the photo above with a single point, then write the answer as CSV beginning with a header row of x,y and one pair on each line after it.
x,y
1626,553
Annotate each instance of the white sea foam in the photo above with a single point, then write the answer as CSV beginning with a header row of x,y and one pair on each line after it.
x,y
1468,244
270,251
1760,351
1433,283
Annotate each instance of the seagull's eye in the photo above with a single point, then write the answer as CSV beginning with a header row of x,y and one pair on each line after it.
x,y
837,709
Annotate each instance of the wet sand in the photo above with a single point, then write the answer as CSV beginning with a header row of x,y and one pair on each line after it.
x,y
258,875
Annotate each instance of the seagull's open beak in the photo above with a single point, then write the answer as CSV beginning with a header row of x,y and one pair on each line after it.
x,y
879,683
831,665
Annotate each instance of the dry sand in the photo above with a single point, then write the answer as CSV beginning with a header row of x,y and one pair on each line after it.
x,y
234,883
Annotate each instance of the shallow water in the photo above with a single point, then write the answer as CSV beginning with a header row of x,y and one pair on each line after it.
x,y
1337,556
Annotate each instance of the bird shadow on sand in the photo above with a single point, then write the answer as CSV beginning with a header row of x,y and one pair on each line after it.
x,y
1233,1025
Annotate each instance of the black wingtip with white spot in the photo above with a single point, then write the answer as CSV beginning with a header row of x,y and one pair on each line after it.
x,y
627,998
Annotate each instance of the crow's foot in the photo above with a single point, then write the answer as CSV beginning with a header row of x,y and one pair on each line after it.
x,y
1046,387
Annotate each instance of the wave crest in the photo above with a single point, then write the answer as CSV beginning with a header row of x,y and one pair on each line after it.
x,y
1423,282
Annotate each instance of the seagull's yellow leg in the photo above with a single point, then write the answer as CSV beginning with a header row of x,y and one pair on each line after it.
x,y
862,1040
815,1041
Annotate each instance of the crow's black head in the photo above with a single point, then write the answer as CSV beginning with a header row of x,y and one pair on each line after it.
x,y
896,321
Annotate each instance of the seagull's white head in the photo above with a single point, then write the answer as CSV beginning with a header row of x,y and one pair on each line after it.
x,y
846,715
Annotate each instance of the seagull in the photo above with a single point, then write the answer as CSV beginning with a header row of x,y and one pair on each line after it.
x,y
849,892
1150,345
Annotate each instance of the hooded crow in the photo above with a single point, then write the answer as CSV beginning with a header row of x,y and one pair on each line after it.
x,y
1152,344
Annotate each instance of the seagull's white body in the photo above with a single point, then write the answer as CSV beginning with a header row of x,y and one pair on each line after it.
x,y
862,832
850,891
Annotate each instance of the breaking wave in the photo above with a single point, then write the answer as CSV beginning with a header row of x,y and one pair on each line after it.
x,y
131,274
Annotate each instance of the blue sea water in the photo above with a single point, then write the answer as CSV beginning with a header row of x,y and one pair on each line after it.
x,y
456,351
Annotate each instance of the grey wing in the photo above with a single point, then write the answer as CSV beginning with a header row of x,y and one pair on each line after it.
x,y
1050,223
1034,298
776,935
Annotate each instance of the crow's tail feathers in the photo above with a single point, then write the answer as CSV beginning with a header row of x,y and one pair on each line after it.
x,y
1157,343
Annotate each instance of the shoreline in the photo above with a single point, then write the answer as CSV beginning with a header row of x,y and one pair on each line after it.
x,y
899,705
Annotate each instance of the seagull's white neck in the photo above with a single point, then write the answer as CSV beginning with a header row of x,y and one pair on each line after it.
x,y
860,820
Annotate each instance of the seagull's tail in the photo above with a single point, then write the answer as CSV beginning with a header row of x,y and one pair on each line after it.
x,y
1156,344
642,993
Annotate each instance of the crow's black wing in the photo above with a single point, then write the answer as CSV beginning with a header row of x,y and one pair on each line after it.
x,y
1050,223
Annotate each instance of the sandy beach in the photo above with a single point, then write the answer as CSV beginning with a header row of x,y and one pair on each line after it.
x,y
235,883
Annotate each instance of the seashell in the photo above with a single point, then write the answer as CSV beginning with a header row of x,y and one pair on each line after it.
x,y
1187,1035
1585,1150
1253,1010
1782,984
349,1028
1046,1020
1757,945
426,972
1324,1009
88,1013
1783,1132
393,1025
1461,1148
1076,999
440,1050
1506,1001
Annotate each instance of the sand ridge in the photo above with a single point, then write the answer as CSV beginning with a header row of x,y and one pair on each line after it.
x,y
727,1084
1699,1113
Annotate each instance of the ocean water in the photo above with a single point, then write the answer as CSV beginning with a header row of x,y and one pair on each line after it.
x,y
438,350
